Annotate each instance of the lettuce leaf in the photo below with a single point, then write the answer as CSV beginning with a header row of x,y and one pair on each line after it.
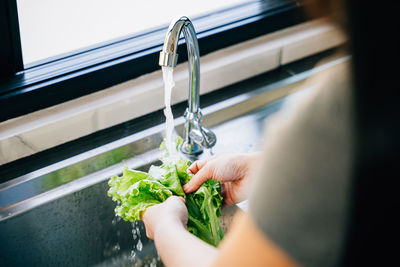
x,y
135,191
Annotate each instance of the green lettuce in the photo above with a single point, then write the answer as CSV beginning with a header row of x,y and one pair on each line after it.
x,y
135,191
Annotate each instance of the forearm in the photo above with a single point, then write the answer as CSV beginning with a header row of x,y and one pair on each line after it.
x,y
177,247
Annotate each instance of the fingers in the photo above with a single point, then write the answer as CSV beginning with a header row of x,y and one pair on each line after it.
x,y
198,179
197,165
182,199
174,198
171,211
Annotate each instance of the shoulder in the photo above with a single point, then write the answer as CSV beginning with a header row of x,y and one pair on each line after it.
x,y
301,191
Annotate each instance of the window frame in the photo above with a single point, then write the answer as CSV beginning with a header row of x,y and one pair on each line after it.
x,y
10,46
27,90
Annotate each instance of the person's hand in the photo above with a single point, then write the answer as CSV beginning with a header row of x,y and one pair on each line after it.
x,y
231,170
171,212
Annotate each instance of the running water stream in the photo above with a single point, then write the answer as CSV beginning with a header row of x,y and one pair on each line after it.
x,y
170,145
132,259
169,118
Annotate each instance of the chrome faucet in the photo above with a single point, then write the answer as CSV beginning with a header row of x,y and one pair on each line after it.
x,y
195,136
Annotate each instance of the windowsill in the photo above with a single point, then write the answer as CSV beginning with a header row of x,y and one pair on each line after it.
x,y
43,129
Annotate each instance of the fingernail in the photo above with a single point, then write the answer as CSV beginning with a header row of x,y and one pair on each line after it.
x,y
189,171
184,187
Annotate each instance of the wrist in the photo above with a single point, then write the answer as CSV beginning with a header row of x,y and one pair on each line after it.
x,y
252,158
168,225
254,155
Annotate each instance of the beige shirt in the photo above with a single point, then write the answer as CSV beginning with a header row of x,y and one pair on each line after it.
x,y
300,198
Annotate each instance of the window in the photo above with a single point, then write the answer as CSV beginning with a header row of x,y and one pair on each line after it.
x,y
62,64
52,28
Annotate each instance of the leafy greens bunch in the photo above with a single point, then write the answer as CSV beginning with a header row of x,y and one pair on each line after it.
x,y
135,191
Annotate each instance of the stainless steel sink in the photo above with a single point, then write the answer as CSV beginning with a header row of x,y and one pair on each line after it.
x,y
61,215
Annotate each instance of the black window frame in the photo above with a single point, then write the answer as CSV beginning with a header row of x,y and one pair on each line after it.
x,y
23,91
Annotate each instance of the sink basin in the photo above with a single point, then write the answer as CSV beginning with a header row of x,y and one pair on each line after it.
x,y
71,222
78,227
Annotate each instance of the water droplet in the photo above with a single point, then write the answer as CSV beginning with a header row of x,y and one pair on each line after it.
x,y
139,245
116,248
138,231
132,255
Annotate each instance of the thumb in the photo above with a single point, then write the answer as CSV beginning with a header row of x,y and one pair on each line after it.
x,y
198,179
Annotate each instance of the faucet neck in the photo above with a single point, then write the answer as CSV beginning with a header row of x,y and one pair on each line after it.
x,y
195,136
169,56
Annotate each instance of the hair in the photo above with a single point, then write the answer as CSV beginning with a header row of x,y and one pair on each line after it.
x,y
371,29
332,9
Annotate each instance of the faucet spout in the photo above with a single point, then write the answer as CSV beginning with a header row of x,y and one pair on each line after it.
x,y
195,136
